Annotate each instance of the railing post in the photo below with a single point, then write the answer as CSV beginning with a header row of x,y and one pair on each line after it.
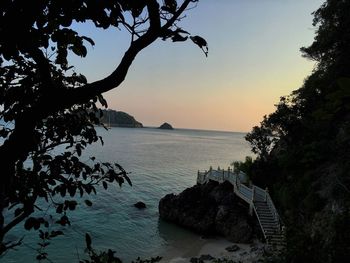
x,y
236,181
251,209
253,193
223,175
266,193
251,205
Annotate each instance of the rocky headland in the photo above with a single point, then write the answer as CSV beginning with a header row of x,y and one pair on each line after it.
x,y
119,119
210,209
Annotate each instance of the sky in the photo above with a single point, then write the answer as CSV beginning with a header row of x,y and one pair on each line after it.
x,y
253,60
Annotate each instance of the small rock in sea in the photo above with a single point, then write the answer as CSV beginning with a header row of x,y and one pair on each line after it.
x,y
206,257
140,205
232,248
166,126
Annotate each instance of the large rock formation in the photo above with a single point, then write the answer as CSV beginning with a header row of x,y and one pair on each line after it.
x,y
210,209
119,119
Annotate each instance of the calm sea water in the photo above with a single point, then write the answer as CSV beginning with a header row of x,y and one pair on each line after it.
x,y
159,162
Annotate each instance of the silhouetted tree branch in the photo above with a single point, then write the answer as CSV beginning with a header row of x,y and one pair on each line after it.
x,y
49,106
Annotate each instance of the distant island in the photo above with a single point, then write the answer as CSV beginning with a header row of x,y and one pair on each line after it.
x,y
114,118
166,126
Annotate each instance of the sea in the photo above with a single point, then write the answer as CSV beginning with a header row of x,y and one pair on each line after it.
x,y
159,162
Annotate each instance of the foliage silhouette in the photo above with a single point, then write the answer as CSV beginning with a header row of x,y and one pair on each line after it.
x,y
45,104
303,147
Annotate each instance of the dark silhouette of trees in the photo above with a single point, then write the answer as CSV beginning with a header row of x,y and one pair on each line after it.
x,y
303,147
46,104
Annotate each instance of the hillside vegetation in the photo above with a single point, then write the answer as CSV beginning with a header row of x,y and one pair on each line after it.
x,y
303,148
119,119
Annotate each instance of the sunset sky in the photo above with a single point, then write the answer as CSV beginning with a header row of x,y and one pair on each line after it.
x,y
254,59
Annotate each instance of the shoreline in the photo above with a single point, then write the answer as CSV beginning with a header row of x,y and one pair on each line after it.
x,y
181,252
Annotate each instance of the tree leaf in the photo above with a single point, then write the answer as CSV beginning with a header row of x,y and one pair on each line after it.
x,y
201,42
88,241
92,43
88,202
128,180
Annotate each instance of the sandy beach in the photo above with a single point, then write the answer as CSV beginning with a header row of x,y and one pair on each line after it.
x,y
216,248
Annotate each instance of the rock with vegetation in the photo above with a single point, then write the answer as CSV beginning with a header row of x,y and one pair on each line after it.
x,y
209,209
166,126
119,119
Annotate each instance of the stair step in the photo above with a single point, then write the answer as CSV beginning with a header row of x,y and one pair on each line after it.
x,y
268,215
268,221
269,224
270,233
259,198
267,218
271,237
260,203
276,238
263,209
264,214
271,230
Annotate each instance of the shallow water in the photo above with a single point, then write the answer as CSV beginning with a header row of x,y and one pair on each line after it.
x,y
159,162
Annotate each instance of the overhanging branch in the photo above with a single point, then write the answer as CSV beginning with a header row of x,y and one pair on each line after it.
x,y
89,91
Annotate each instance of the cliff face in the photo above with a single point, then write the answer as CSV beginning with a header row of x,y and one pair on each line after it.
x,y
119,119
210,209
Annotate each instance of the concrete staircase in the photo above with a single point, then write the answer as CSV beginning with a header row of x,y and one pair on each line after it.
x,y
273,231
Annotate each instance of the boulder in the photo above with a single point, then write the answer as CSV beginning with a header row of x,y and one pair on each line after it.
x,y
209,209
140,205
232,248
